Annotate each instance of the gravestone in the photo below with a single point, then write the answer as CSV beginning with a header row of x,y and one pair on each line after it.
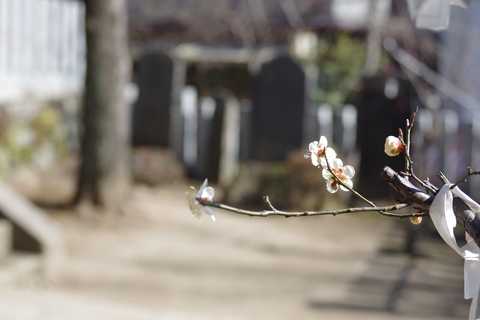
x,y
219,137
277,117
207,110
210,137
151,113
245,128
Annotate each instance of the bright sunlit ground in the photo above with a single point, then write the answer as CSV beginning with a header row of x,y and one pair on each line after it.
x,y
159,262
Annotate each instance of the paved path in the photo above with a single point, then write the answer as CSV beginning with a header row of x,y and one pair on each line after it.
x,y
159,262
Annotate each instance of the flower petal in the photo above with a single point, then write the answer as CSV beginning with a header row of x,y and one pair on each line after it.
x,y
202,187
330,154
208,194
348,171
205,183
348,182
326,174
210,213
323,141
312,147
336,163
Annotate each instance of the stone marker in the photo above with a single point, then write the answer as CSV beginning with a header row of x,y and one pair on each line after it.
x,y
277,117
151,113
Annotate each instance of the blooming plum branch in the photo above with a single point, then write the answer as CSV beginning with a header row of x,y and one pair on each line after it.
x,y
337,177
340,177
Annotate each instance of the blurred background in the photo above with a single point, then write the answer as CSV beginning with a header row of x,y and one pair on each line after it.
x,y
110,109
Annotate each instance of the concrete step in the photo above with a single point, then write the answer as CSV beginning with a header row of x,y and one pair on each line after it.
x,y
15,266
19,267
33,230
6,238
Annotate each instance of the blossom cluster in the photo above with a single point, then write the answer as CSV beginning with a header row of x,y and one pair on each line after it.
x,y
336,175
333,169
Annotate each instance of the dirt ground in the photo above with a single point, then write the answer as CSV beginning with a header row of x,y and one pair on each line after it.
x,y
159,262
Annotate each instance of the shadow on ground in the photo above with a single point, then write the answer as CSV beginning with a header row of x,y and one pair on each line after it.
x,y
428,284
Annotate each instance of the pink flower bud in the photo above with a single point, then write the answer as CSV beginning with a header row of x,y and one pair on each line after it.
x,y
393,146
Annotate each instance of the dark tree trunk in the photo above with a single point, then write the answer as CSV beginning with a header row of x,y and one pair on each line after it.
x,y
104,176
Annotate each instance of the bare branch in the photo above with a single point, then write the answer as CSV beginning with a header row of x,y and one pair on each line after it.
x,y
275,212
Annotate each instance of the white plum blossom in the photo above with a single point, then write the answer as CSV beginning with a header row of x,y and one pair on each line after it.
x,y
344,173
319,152
205,193
393,146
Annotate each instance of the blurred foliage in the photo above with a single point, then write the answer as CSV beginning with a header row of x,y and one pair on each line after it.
x,y
39,140
275,179
340,66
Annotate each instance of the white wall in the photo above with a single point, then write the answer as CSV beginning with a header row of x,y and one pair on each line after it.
x,y
42,49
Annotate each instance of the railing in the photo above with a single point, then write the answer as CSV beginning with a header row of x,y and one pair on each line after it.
x,y
41,47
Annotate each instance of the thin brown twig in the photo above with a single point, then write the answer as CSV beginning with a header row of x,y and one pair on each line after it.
x,y
265,213
408,158
470,172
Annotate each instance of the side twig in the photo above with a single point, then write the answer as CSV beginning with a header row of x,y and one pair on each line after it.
x,y
355,193
470,172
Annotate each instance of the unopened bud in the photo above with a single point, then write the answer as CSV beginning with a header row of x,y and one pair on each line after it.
x,y
416,220
393,146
